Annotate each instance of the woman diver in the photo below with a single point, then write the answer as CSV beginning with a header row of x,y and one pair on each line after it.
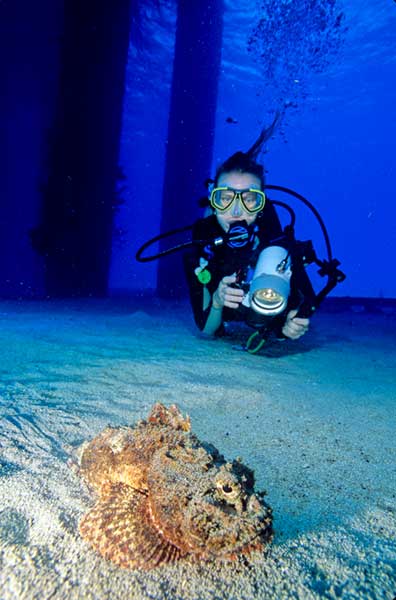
x,y
215,272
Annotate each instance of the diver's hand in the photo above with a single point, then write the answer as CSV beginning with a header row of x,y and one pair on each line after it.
x,y
226,295
295,327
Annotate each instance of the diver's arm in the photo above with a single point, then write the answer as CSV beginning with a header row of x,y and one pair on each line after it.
x,y
215,317
225,295
214,321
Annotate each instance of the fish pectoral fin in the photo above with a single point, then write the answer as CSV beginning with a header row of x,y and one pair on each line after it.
x,y
121,529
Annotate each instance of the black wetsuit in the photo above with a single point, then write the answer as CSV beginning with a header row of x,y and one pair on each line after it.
x,y
226,261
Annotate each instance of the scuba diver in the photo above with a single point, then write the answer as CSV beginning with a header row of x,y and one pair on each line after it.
x,y
241,265
218,276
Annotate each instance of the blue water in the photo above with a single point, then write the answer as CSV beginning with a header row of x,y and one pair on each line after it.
x,y
335,146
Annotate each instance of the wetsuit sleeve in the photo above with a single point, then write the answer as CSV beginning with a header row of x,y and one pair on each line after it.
x,y
202,231
196,289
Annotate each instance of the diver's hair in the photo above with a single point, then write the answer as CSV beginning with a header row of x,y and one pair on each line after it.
x,y
246,162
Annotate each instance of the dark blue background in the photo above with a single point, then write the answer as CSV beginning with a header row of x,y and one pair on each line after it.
x,y
337,148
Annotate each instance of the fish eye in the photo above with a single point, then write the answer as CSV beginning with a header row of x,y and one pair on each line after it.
x,y
227,489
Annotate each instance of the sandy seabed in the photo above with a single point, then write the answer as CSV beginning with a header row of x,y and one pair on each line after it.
x,y
315,419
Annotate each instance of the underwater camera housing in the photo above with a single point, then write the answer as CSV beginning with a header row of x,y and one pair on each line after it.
x,y
267,291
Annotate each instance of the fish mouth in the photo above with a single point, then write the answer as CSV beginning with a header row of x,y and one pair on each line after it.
x,y
216,530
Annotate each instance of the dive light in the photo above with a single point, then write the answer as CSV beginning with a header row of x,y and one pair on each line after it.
x,y
270,287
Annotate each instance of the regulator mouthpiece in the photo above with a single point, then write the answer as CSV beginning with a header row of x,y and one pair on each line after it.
x,y
239,235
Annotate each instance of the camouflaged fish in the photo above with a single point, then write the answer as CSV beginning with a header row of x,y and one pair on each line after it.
x,y
162,496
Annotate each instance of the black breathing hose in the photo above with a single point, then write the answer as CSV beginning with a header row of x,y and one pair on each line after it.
x,y
157,238
312,208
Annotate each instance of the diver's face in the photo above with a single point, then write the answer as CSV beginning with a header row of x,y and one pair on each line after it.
x,y
236,212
